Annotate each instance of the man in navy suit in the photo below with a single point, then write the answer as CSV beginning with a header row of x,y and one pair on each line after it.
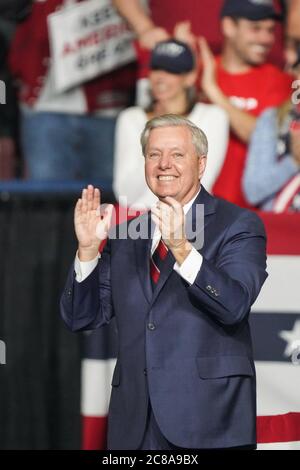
x,y
185,376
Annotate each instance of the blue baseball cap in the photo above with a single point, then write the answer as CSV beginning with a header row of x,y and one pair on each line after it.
x,y
253,10
172,56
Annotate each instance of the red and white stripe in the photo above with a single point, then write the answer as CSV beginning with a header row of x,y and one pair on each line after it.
x,y
278,383
286,195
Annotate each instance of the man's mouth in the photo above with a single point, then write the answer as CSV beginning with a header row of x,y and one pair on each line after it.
x,y
166,177
260,49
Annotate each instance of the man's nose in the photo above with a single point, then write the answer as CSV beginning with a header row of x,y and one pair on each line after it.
x,y
165,162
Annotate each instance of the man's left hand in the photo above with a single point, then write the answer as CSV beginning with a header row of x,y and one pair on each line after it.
x,y
169,217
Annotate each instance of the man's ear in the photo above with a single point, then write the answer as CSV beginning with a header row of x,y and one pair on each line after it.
x,y
228,27
201,166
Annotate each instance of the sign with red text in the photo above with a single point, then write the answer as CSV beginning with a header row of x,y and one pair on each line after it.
x,y
87,39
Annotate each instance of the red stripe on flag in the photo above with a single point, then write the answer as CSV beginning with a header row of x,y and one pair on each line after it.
x,y
283,231
94,431
278,428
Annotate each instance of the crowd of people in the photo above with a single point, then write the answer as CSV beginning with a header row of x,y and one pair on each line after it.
x,y
232,67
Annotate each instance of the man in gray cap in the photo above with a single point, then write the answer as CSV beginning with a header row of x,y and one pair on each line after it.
x,y
254,10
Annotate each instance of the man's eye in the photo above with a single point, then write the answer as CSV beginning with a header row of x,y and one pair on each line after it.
x,y
177,155
153,155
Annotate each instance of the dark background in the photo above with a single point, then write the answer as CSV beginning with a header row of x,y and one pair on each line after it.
x,y
40,383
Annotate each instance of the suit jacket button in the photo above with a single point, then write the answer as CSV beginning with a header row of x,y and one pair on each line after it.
x,y
151,326
145,371
69,292
208,288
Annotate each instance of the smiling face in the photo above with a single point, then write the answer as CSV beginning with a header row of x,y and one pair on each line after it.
x,y
251,41
172,166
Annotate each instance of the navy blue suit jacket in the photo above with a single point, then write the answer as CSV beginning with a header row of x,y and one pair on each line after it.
x,y
185,347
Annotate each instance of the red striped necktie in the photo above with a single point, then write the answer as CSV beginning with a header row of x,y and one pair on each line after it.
x,y
157,261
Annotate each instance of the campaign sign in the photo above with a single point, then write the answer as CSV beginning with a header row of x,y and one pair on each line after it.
x,y
87,39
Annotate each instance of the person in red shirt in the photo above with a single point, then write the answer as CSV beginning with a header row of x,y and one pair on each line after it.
x,y
242,82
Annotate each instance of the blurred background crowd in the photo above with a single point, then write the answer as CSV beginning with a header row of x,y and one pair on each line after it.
x,y
230,66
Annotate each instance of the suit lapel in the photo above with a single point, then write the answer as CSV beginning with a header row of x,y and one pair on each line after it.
x,y
199,216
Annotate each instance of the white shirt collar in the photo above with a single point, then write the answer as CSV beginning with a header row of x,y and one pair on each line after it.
x,y
187,206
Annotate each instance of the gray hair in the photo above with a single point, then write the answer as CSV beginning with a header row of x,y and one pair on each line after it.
x,y
199,139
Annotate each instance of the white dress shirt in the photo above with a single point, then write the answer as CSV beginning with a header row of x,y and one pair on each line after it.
x,y
188,270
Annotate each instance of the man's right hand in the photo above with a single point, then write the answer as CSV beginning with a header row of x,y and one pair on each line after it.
x,y
91,223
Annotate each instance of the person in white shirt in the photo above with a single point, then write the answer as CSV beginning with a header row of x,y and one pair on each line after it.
x,y
172,78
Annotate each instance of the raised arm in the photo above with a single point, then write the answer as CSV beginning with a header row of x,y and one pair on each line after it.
x,y
241,122
134,13
87,304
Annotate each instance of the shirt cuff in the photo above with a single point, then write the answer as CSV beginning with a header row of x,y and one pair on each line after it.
x,y
84,268
191,266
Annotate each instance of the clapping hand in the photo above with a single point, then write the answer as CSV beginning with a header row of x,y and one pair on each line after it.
x,y
170,219
183,32
169,216
92,223
209,80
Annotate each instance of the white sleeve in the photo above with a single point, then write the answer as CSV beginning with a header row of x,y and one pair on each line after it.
x,y
84,268
189,269
217,133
